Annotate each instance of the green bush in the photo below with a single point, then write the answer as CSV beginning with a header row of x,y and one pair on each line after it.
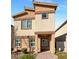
x,y
28,56
61,55
24,50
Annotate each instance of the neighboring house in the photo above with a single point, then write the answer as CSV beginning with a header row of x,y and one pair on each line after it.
x,y
35,28
12,37
61,37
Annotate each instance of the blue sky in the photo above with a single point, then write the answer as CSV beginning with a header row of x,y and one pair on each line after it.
x,y
61,12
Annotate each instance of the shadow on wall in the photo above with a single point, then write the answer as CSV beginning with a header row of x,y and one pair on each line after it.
x,y
59,43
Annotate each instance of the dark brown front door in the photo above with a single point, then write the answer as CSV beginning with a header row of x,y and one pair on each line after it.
x,y
44,44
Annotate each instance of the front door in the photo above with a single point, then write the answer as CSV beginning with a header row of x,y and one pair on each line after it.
x,y
44,44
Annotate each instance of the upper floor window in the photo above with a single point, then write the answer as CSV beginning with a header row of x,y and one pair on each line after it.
x,y
44,16
18,42
26,24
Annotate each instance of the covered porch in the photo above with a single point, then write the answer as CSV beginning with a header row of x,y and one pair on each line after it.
x,y
45,41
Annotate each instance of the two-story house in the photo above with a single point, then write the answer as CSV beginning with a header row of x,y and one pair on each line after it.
x,y
35,28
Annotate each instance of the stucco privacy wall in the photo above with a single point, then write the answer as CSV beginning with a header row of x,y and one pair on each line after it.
x,y
61,31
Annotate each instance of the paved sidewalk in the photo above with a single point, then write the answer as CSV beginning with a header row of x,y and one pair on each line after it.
x,y
46,55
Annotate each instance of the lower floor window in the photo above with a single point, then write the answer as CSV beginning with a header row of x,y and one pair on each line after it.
x,y
18,42
32,43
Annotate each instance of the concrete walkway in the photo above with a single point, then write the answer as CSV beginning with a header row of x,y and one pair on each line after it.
x,y
46,55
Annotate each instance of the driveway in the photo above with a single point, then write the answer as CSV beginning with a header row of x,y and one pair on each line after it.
x,y
46,55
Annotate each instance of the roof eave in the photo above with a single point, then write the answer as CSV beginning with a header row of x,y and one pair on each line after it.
x,y
45,3
61,25
18,14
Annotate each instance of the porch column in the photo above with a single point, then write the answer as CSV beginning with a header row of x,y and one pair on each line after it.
x,y
65,45
28,48
39,44
52,44
36,43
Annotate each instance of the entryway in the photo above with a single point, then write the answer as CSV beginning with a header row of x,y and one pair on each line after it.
x,y
44,42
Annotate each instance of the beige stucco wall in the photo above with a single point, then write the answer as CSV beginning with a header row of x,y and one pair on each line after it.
x,y
38,24
24,43
44,24
61,31
22,32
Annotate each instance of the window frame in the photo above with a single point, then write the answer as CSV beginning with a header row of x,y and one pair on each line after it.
x,y
44,14
27,24
16,43
32,41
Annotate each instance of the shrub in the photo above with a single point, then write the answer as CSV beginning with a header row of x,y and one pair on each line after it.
x,y
24,50
61,55
28,56
18,50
